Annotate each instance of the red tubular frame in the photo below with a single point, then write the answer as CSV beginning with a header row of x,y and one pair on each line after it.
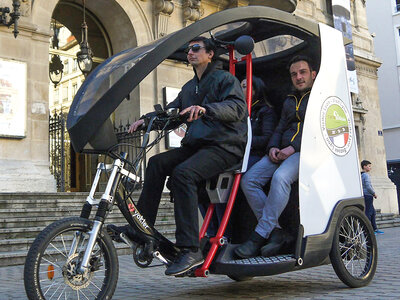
x,y
217,240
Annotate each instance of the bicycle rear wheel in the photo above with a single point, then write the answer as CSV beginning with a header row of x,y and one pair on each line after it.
x,y
51,266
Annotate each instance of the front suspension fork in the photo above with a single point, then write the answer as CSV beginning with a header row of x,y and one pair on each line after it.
x,y
105,204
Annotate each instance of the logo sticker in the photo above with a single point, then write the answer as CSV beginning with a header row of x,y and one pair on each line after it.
x,y
336,126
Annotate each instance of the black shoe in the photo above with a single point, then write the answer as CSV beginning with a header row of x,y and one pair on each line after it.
x,y
115,231
251,247
186,260
278,240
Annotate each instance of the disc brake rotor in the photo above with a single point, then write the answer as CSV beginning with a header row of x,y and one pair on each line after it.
x,y
71,275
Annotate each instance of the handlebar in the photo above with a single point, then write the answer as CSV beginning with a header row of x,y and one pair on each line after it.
x,y
163,119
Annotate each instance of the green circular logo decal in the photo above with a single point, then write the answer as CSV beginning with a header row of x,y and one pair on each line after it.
x,y
336,126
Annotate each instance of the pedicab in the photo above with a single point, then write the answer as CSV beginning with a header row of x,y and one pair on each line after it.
x,y
75,258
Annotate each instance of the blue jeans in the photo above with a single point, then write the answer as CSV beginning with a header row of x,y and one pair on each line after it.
x,y
370,210
268,209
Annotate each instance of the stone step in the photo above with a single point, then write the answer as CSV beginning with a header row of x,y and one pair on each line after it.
x,y
43,196
385,216
33,231
23,244
60,210
18,249
24,215
44,221
55,202
395,222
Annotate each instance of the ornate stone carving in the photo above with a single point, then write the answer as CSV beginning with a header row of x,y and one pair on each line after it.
x,y
163,7
26,8
285,5
162,10
192,10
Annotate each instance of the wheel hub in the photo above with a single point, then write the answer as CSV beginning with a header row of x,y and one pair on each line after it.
x,y
72,276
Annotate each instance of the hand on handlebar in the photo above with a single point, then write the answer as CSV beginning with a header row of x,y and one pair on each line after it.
x,y
194,112
135,126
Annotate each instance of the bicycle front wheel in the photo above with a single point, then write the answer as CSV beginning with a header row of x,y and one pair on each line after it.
x,y
53,261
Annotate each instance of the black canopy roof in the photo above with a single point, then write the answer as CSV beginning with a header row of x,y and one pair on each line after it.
x,y
110,83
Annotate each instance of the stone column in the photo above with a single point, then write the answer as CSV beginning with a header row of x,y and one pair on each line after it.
x,y
371,139
24,161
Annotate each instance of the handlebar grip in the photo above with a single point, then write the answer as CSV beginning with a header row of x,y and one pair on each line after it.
x,y
186,115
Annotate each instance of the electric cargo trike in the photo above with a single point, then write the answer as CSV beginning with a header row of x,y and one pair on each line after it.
x,y
75,258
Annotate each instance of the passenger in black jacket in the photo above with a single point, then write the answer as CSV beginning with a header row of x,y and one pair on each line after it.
x,y
215,141
281,166
263,120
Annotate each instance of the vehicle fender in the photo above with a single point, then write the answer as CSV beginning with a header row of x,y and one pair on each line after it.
x,y
316,248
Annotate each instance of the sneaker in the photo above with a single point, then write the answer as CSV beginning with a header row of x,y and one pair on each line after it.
x,y
115,231
378,232
186,260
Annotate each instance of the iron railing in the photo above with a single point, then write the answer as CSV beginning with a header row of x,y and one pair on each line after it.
x,y
57,149
60,152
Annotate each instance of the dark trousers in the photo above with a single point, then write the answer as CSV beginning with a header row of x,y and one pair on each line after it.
x,y
187,167
370,210
240,209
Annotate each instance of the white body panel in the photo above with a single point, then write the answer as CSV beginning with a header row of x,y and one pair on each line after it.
x,y
327,176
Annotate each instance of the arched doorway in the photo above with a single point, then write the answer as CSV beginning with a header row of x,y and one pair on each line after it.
x,y
74,172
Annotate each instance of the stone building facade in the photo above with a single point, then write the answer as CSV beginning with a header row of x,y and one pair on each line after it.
x,y
120,24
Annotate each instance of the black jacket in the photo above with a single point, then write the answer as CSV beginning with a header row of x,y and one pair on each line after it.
x,y
225,121
263,123
290,127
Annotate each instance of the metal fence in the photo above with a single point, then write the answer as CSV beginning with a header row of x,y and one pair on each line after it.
x,y
131,144
60,152
58,148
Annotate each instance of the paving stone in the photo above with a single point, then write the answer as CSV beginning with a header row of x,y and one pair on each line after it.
x,y
315,283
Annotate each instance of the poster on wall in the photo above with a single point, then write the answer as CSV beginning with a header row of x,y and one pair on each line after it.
x,y
12,98
174,138
342,22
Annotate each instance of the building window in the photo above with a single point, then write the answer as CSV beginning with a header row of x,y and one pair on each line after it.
x,y
56,96
74,89
397,9
397,37
74,65
66,66
329,7
65,94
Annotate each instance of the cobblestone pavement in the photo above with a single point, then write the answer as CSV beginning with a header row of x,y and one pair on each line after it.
x,y
314,283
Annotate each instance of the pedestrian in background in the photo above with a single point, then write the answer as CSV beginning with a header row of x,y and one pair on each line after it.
x,y
369,194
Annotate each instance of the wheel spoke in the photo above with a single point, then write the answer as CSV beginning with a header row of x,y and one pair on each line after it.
x,y
51,297
83,294
65,248
95,285
58,250
59,297
50,262
57,277
49,287
82,246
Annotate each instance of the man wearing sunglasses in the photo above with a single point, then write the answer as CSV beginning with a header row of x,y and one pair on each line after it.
x,y
215,140
280,166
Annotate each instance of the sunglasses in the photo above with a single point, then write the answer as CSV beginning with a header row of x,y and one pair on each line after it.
x,y
195,48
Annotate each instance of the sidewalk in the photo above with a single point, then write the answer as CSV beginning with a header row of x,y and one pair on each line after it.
x,y
314,283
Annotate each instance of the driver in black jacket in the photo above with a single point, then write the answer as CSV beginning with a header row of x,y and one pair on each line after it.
x,y
215,141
